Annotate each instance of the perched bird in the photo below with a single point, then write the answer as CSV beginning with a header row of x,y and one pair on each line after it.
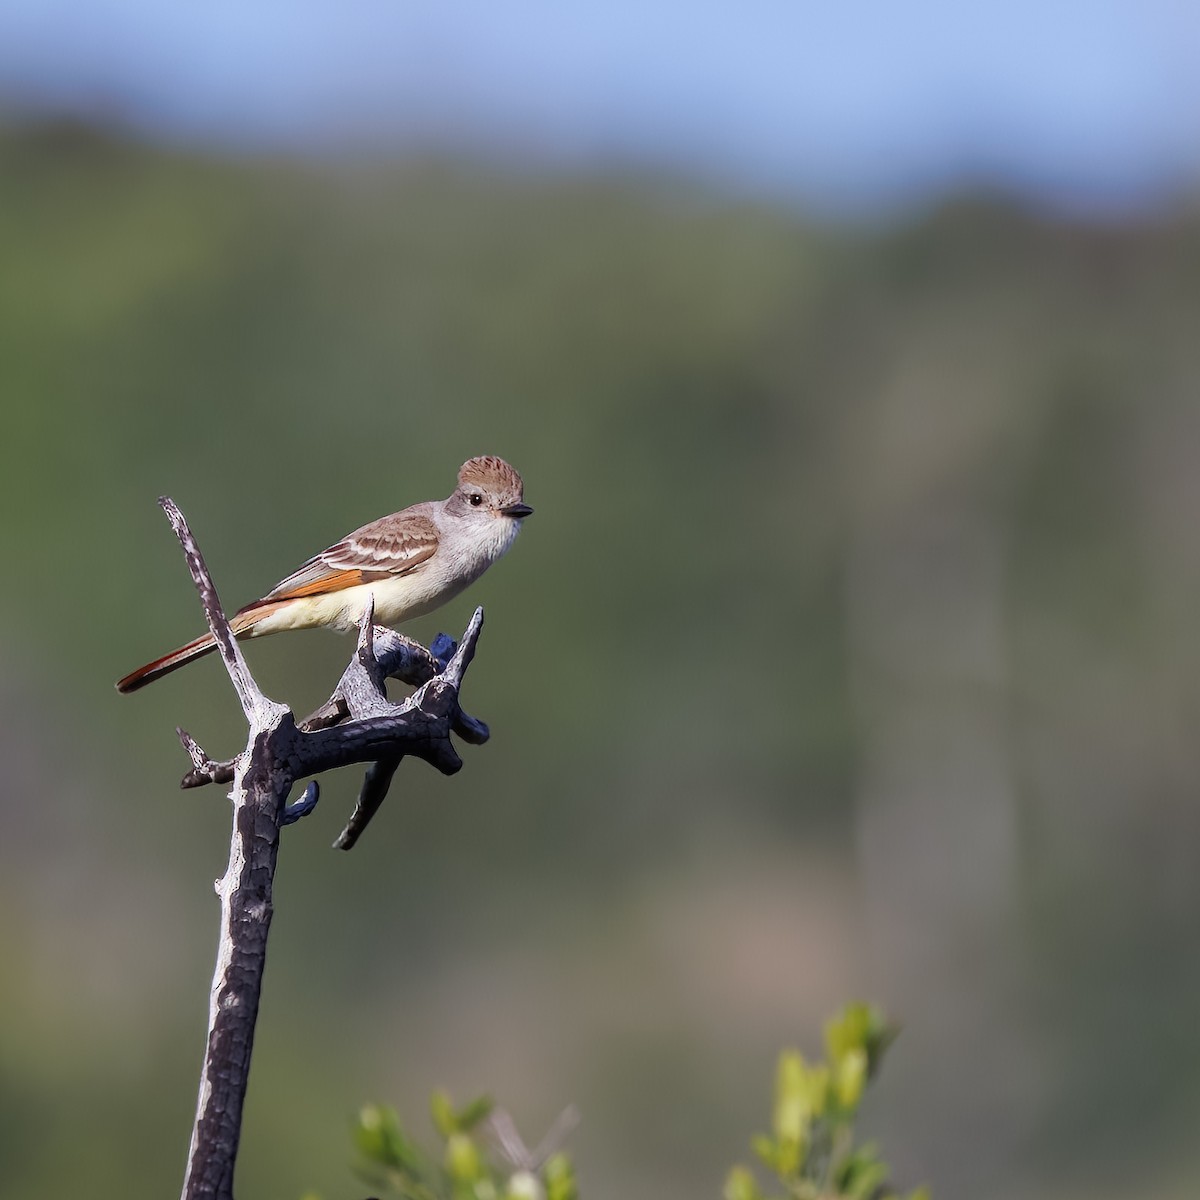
x,y
411,563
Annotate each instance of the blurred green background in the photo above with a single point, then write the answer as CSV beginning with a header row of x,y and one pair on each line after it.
x,y
851,651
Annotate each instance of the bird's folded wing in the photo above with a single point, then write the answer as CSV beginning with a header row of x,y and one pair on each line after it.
x,y
384,549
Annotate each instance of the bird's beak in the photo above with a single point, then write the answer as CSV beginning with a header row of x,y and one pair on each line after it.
x,y
516,510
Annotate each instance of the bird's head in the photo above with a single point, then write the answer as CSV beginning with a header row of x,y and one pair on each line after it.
x,y
489,488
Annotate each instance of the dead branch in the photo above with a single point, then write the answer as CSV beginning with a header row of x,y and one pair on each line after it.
x,y
397,657
357,724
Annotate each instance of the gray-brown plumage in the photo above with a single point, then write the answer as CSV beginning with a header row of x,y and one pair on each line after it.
x,y
410,562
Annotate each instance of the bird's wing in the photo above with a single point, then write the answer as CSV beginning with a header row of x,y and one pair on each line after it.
x,y
384,549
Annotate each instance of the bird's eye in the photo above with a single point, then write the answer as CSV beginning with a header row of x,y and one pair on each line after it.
x,y
476,499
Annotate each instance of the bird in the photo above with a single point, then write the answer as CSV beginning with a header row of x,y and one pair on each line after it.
x,y
410,563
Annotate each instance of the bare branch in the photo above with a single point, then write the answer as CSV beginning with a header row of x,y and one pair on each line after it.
x,y
373,793
407,730
461,659
362,684
251,697
200,760
358,724
396,657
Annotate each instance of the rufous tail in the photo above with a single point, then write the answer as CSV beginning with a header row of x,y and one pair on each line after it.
x,y
196,648
242,624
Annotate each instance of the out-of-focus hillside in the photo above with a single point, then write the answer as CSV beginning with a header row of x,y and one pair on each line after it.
x,y
851,650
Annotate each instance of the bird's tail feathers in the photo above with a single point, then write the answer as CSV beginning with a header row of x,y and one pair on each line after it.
x,y
196,648
242,625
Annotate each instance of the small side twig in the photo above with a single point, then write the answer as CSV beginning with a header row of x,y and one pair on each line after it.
x,y
370,797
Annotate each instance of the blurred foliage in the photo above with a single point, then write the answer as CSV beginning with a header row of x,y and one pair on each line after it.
x,y
811,1149
463,1169
851,648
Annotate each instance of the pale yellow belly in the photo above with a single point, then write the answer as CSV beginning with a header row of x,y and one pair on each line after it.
x,y
396,600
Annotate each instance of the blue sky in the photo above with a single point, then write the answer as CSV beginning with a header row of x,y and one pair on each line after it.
x,y
1084,104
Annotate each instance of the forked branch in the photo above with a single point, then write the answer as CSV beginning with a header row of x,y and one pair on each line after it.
x,y
358,724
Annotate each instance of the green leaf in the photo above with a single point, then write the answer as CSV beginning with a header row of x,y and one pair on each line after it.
x,y
849,1030
861,1175
801,1093
868,1182
789,1117
740,1184
860,1027
812,1150
850,1078
767,1151
441,1108
463,1161
559,1177
379,1138
471,1114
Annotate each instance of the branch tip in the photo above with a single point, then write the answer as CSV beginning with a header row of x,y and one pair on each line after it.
x,y
456,668
255,705
194,752
366,631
